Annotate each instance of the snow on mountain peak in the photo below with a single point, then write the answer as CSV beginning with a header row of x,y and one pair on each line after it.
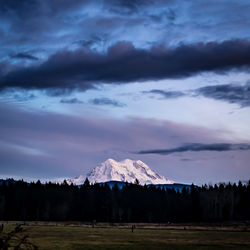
x,y
126,171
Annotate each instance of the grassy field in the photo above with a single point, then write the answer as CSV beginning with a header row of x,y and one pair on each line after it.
x,y
83,237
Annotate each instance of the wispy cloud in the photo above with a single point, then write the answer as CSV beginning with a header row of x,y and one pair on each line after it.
x,y
231,93
197,147
239,94
24,55
71,101
165,94
23,97
106,101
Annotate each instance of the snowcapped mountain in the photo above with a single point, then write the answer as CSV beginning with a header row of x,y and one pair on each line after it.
x,y
126,170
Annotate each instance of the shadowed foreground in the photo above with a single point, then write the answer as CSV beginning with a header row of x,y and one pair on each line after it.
x,y
80,237
22,201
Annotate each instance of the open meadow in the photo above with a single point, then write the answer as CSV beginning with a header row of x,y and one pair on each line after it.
x,y
145,236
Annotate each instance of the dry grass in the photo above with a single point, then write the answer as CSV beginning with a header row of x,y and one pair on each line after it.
x,y
145,236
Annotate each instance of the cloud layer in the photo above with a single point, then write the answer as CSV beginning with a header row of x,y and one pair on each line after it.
x,y
83,69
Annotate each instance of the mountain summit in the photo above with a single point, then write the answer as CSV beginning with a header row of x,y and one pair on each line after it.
x,y
125,171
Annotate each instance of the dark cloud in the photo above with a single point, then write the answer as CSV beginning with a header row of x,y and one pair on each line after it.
x,y
55,92
36,24
134,6
165,94
232,93
19,8
239,94
94,40
71,101
85,43
197,147
6,67
171,15
24,55
123,62
106,101
32,8
125,7
141,22
168,15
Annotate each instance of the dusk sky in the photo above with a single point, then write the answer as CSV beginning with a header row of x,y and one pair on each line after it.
x,y
162,81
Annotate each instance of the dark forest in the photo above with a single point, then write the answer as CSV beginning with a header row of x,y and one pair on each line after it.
x,y
22,201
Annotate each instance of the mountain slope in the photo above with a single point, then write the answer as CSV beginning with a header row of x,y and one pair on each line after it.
x,y
125,171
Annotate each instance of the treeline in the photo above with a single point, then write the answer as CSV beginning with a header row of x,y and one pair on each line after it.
x,y
24,201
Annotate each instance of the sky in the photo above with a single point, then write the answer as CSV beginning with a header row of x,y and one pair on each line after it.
x,y
166,82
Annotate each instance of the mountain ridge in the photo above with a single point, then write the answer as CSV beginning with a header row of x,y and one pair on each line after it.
x,y
125,171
